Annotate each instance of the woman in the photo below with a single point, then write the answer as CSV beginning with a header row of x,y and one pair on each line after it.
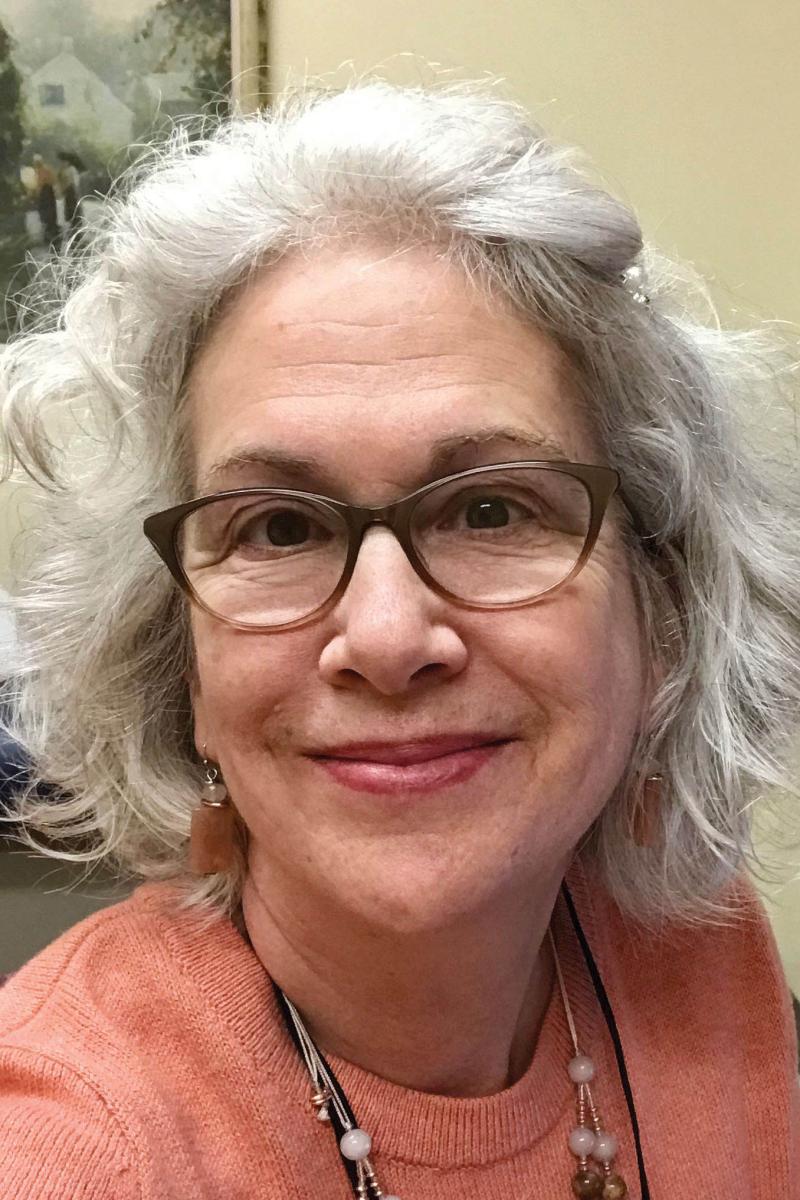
x,y
468,629
46,204
69,175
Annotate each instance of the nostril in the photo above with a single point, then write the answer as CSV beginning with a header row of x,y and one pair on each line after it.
x,y
435,668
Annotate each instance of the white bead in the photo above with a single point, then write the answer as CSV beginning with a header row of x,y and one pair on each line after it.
x,y
581,1141
605,1146
214,793
581,1069
322,1113
355,1144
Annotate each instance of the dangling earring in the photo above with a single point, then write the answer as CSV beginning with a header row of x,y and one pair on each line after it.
x,y
645,816
211,842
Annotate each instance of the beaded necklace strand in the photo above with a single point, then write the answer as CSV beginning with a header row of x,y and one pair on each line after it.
x,y
592,1145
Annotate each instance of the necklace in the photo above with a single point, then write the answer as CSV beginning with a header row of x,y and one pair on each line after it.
x,y
592,1145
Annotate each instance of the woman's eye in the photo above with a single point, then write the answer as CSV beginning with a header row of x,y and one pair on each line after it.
x,y
279,529
488,512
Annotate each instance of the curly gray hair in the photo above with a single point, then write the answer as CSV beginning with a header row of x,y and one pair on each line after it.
x,y
93,398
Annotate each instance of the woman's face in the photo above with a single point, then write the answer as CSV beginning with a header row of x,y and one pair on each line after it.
x,y
363,363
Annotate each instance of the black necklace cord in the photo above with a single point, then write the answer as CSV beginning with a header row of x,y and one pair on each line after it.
x,y
608,1013
338,1128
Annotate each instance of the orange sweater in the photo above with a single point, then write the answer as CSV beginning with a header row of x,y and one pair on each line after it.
x,y
141,1058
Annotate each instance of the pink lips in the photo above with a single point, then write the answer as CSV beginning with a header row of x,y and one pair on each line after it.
x,y
422,766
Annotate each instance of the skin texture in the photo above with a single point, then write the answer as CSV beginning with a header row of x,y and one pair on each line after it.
x,y
408,930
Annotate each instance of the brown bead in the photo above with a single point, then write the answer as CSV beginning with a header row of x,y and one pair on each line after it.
x,y
587,1185
614,1188
211,846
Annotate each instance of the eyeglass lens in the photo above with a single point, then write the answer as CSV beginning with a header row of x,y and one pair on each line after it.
x,y
492,539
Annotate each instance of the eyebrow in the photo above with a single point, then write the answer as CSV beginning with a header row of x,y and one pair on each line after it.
x,y
444,456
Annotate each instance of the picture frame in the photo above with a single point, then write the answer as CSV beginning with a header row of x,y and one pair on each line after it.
x,y
248,54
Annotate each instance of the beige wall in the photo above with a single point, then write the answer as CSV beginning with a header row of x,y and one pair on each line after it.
x,y
691,108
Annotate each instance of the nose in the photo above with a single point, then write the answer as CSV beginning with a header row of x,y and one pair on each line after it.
x,y
392,633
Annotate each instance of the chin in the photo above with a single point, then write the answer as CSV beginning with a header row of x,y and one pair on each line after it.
x,y
418,897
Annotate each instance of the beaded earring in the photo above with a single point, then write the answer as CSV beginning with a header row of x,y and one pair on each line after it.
x,y
211,841
645,820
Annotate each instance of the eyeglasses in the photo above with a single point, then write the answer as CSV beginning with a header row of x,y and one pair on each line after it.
x,y
492,537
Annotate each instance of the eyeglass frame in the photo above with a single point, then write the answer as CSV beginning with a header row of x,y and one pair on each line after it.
x,y
161,530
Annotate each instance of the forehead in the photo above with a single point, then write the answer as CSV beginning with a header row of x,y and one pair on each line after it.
x,y
365,363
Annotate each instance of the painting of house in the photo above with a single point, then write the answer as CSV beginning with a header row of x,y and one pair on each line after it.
x,y
87,85
66,91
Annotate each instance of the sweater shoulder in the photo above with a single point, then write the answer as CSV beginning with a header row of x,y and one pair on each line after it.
x,y
71,1024
55,991
717,994
737,948
135,1032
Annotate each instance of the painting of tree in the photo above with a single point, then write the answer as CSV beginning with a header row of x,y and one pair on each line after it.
x,y
201,28
12,132
12,136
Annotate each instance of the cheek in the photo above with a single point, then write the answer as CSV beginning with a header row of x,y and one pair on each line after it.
x,y
241,677
580,662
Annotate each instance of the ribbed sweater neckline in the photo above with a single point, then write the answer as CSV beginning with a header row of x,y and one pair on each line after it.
x,y
412,1126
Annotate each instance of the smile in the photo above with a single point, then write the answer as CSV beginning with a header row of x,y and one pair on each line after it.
x,y
422,775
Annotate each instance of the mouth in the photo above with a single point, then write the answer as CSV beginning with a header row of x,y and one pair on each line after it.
x,y
421,766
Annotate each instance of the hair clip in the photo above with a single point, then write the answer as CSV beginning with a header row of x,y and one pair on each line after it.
x,y
633,281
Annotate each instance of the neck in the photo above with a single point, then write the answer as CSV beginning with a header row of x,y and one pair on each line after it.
x,y
455,1011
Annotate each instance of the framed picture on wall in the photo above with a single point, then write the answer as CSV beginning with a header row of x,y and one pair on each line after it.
x,y
85,85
